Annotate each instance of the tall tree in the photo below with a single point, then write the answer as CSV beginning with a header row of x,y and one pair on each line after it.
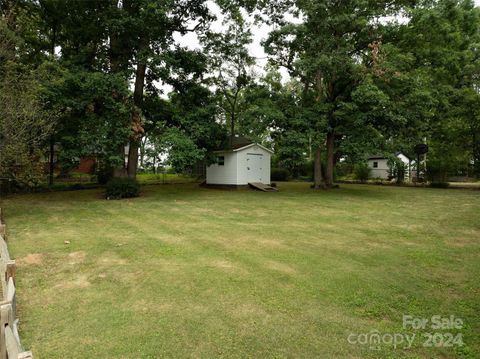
x,y
429,68
230,63
25,122
326,52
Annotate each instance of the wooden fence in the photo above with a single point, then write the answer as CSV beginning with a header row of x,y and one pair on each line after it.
x,y
10,347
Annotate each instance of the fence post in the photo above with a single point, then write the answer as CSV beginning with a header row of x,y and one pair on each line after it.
x,y
11,343
5,320
11,269
10,346
12,297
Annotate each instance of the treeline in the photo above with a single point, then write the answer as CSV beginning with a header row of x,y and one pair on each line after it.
x,y
86,79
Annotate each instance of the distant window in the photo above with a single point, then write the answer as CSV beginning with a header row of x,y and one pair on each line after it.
x,y
221,160
375,164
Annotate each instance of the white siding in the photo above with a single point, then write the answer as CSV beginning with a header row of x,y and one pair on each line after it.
x,y
251,164
381,171
408,166
403,158
226,174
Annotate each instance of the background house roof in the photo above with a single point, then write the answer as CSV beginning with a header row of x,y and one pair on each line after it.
x,y
376,157
382,157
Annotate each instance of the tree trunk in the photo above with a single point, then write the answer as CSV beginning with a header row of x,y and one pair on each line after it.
x,y
232,124
330,159
232,127
118,65
142,152
136,117
318,182
120,170
133,158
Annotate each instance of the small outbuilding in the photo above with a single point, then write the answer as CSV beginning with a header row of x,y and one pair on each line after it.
x,y
379,165
239,162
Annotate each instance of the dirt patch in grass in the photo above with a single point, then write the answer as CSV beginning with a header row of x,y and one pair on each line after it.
x,y
30,259
280,267
248,310
463,241
81,281
222,264
145,306
113,261
76,257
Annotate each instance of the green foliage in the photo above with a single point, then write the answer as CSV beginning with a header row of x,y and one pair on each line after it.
x,y
96,117
104,173
279,174
397,169
344,169
330,53
183,152
364,85
361,171
430,70
230,62
122,187
26,121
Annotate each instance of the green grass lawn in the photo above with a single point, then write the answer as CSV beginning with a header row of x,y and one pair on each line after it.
x,y
185,271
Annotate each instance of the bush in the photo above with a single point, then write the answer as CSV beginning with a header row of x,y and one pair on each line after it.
x,y
279,174
104,174
439,184
306,171
118,188
397,169
344,169
362,172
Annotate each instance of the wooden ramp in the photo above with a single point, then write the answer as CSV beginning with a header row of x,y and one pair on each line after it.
x,y
262,187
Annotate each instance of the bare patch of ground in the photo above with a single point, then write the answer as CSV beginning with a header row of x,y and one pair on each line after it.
x,y
113,261
280,267
30,259
80,281
76,257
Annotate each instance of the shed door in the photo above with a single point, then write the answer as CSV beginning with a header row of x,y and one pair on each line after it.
x,y
254,167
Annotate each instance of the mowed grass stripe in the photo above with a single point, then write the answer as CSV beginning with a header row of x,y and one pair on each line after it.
x,y
185,271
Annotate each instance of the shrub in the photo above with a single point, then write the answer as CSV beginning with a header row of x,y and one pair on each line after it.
x,y
306,170
397,169
118,188
439,184
279,174
344,169
362,172
104,174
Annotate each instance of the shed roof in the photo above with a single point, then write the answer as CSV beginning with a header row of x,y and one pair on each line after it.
x,y
376,157
383,157
237,143
234,142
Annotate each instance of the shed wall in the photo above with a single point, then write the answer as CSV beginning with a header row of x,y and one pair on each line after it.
x,y
226,174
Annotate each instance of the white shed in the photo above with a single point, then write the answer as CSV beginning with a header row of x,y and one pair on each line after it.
x,y
240,163
379,168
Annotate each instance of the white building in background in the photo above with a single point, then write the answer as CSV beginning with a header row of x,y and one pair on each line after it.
x,y
378,165
239,163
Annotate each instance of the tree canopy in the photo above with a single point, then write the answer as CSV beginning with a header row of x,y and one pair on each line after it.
x,y
90,78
